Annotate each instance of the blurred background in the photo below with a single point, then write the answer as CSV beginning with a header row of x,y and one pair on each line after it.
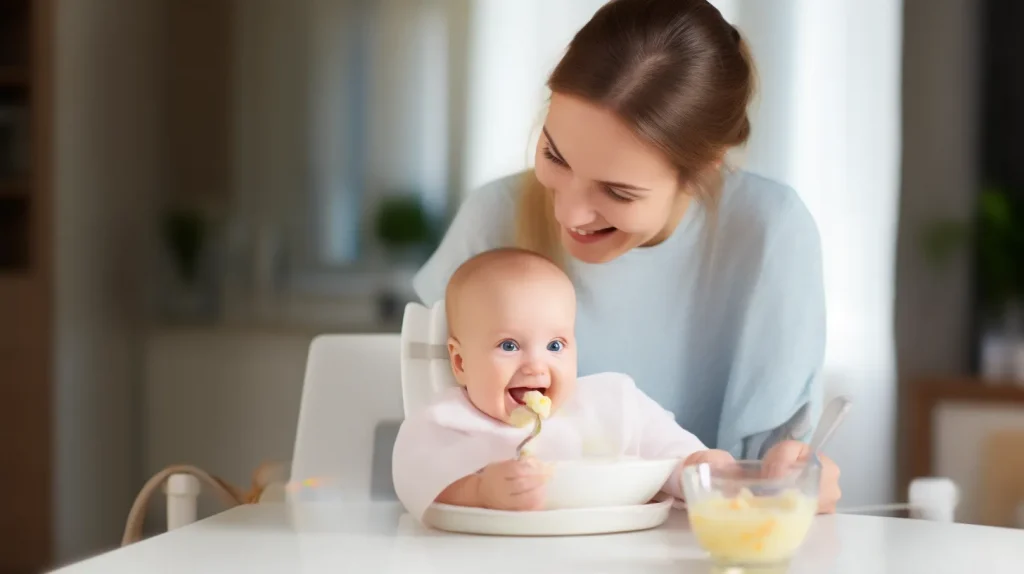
x,y
191,190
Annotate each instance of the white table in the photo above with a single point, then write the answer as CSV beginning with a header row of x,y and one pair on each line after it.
x,y
378,537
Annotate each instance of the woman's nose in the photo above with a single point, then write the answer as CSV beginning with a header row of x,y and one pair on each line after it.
x,y
572,208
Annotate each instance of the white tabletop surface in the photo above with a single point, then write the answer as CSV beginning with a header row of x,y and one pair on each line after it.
x,y
379,537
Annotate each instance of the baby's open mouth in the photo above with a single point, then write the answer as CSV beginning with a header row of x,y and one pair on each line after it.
x,y
518,393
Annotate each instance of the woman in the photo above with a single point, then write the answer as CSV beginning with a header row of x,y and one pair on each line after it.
x,y
703,284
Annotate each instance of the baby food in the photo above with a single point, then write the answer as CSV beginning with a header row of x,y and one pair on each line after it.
x,y
535,402
538,403
748,529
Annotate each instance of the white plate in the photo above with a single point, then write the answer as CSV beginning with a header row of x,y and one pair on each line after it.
x,y
564,522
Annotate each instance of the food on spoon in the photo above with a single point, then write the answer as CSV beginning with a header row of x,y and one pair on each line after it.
x,y
538,403
521,417
533,402
753,529
535,405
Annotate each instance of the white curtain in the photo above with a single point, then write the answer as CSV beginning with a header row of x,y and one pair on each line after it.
x,y
826,122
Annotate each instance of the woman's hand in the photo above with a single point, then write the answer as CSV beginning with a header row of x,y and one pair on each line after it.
x,y
713,457
790,451
710,456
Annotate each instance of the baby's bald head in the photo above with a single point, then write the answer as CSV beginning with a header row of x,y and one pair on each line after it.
x,y
488,274
511,326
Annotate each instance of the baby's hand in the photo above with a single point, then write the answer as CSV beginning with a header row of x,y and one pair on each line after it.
x,y
514,485
711,456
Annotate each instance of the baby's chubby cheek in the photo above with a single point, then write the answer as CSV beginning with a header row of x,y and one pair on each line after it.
x,y
563,385
488,394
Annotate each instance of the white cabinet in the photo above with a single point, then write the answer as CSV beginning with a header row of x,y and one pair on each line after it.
x,y
959,445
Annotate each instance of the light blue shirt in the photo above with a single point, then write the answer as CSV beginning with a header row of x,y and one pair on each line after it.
x,y
723,323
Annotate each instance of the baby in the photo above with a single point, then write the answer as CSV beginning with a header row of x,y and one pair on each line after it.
x,y
511,316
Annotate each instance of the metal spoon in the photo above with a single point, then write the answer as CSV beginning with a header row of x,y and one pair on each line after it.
x,y
833,415
533,435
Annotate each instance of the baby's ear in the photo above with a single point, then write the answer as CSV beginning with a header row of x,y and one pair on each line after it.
x,y
455,358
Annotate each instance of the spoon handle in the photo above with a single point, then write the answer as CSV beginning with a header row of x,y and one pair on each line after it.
x,y
520,452
833,415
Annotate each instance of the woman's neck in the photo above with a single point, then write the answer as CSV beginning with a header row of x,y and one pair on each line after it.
x,y
679,208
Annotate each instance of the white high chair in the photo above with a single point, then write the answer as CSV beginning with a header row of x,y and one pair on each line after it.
x,y
345,449
351,403
426,370
344,452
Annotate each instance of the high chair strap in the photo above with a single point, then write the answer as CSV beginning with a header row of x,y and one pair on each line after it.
x,y
228,494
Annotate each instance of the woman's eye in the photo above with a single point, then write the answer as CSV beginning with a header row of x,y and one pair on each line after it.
x,y
555,346
508,346
553,158
616,195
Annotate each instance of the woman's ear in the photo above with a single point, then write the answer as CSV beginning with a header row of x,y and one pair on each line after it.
x,y
455,359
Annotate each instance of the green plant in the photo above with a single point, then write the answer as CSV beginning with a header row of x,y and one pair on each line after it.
x,y
997,234
185,231
403,222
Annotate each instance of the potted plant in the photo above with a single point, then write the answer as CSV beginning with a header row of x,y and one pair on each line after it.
x,y
187,233
996,233
184,232
408,234
404,228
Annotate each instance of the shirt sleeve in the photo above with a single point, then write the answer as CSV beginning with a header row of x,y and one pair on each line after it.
x,y
774,390
483,222
796,428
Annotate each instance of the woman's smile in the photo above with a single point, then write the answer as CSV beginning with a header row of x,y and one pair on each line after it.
x,y
586,236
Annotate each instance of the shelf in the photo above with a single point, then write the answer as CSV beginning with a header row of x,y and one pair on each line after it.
x,y
970,390
14,77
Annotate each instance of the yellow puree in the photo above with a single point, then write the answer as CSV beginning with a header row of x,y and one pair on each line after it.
x,y
753,529
535,403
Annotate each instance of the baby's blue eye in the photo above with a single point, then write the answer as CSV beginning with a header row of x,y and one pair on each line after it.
x,y
555,346
509,346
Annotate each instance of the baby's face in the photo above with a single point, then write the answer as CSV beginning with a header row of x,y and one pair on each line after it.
x,y
515,335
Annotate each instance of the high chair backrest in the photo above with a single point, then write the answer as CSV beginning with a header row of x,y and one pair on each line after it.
x,y
426,370
350,411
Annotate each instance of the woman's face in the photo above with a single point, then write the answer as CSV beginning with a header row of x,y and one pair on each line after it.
x,y
612,192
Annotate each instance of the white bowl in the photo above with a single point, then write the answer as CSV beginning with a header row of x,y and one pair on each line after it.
x,y
600,482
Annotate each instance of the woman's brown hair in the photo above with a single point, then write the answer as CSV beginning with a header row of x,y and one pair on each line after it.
x,y
674,71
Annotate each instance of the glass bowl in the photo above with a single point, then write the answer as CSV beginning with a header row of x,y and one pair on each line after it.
x,y
751,515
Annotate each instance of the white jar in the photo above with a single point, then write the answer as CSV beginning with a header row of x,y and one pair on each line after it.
x,y
934,498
